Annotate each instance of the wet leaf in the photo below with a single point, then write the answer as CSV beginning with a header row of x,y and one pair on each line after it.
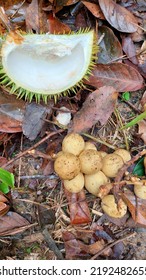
x,y
56,26
109,47
118,16
12,223
98,106
94,9
122,77
136,206
78,207
139,168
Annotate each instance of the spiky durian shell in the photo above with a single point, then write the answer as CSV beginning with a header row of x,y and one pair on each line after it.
x,y
14,88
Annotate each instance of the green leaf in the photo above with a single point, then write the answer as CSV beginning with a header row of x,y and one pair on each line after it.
x,y
4,187
126,95
139,168
136,120
7,177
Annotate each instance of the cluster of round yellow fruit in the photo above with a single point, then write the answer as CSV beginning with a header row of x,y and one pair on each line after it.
x,y
79,164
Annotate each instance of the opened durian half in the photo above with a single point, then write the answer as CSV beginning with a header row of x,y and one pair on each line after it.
x,y
46,65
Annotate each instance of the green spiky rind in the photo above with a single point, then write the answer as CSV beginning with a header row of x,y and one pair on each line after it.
x,y
12,88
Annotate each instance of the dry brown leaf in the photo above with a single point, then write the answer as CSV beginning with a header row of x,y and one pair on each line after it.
x,y
56,26
142,130
121,76
94,9
129,49
118,16
136,206
12,223
98,106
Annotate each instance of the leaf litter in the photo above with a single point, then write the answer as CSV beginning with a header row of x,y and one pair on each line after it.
x,y
30,142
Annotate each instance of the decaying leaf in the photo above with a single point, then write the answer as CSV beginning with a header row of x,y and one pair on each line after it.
x,y
136,206
78,207
56,26
94,9
11,113
118,16
98,106
109,48
122,77
12,223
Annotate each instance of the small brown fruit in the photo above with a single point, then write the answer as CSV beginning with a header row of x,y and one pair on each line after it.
x,y
112,209
90,146
94,181
90,162
73,143
140,190
124,154
111,165
67,166
76,184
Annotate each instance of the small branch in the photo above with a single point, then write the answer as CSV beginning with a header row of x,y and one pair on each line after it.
x,y
21,154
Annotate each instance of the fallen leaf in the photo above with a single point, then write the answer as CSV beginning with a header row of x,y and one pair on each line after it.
x,y
34,119
11,113
36,18
122,77
109,48
12,223
142,130
78,207
118,16
56,26
94,9
4,208
136,206
98,106
129,49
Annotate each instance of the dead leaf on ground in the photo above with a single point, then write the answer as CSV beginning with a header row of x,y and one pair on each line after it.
x,y
36,18
109,48
78,207
11,113
118,16
94,9
136,206
12,223
98,106
56,26
34,119
122,77
129,49
142,130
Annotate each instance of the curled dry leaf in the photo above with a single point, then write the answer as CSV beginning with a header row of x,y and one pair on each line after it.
x,y
122,77
4,208
136,206
118,16
98,106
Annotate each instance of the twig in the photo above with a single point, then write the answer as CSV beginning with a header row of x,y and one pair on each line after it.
x,y
37,176
21,154
52,245
99,141
111,245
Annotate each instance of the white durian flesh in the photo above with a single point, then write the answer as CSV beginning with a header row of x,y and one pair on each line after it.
x,y
46,65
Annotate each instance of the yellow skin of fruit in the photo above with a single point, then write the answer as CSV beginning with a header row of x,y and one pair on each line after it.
x,y
90,146
103,154
73,143
111,208
94,181
111,164
67,166
76,184
90,162
125,155
140,191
